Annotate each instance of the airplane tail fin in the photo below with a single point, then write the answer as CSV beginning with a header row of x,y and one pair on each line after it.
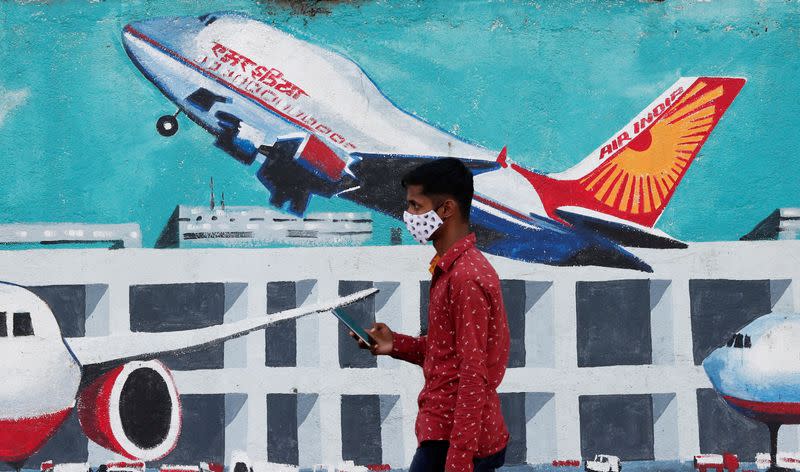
x,y
634,174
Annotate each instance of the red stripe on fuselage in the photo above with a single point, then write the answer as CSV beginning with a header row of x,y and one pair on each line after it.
x,y
768,412
21,438
503,208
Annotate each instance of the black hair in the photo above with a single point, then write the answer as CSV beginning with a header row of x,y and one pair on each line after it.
x,y
446,176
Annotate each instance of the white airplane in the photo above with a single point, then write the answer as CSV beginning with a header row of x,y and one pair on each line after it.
x,y
757,372
46,376
317,125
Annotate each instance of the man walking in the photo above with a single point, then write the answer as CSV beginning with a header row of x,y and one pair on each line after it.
x,y
459,427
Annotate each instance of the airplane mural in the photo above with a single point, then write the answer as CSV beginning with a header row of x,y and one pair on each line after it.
x,y
113,381
316,124
757,373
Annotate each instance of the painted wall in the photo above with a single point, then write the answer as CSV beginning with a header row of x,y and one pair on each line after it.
x,y
551,80
604,360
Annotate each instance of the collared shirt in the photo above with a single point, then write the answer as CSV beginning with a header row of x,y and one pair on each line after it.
x,y
463,357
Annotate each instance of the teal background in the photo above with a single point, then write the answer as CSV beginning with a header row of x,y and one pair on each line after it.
x,y
551,80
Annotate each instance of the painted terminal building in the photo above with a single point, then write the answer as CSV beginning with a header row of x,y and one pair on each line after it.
x,y
254,226
602,360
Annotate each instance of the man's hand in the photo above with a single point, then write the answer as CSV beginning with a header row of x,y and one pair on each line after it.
x,y
382,336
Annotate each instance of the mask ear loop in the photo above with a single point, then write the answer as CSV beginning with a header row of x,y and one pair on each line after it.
x,y
437,208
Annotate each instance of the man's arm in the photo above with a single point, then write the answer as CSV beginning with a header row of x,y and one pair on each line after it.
x,y
471,310
409,348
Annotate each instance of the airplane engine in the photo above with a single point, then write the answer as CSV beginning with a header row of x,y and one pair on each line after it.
x,y
133,410
295,168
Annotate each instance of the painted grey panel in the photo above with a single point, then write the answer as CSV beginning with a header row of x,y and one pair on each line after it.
x,y
720,308
617,424
362,312
68,444
202,432
722,429
361,429
281,338
513,407
613,323
172,307
514,302
424,305
282,445
68,303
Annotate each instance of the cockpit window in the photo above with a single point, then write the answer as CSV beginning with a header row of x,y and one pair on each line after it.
x,y
22,324
739,340
3,329
207,19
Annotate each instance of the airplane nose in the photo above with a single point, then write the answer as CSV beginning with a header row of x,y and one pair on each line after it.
x,y
147,41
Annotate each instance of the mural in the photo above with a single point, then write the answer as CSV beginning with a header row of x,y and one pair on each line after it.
x,y
644,334
318,125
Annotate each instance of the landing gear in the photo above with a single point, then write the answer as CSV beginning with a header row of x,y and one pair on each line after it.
x,y
167,125
773,448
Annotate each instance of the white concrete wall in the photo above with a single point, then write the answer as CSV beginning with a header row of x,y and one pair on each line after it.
x,y
399,269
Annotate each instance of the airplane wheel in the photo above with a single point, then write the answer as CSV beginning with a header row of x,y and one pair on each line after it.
x,y
167,125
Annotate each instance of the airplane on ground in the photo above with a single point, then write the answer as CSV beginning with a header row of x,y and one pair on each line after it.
x,y
317,124
757,372
107,377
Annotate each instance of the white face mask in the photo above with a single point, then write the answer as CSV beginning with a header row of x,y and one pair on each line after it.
x,y
422,226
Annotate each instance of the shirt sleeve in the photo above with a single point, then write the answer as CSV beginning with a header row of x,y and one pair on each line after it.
x,y
409,348
470,308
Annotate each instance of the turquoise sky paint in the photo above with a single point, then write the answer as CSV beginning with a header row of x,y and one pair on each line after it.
x,y
550,80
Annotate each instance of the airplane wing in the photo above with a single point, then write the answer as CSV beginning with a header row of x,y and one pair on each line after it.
x,y
626,233
124,347
377,179
298,166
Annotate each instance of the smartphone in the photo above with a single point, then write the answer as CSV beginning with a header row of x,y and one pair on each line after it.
x,y
360,332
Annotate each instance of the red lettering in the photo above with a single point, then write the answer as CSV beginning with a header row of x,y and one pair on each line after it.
x,y
337,138
258,72
676,93
642,124
298,92
622,138
605,150
323,129
659,109
283,87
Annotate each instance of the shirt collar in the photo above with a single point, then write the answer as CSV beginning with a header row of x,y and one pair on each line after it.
x,y
446,261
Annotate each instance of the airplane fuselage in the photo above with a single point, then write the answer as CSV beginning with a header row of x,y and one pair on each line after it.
x,y
41,376
757,372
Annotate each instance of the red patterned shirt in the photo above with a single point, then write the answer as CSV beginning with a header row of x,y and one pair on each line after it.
x,y
463,357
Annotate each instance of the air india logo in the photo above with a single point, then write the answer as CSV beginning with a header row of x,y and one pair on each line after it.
x,y
641,176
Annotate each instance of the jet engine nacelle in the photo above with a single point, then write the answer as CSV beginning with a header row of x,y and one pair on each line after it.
x,y
296,167
133,410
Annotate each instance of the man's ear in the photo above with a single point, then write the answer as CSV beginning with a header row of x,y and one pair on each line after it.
x,y
450,208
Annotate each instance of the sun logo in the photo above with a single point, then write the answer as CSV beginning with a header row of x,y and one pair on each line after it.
x,y
641,177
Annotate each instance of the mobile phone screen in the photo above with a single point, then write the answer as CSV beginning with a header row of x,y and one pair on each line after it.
x,y
354,327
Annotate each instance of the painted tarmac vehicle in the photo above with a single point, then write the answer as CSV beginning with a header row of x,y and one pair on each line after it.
x,y
114,381
316,124
757,372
